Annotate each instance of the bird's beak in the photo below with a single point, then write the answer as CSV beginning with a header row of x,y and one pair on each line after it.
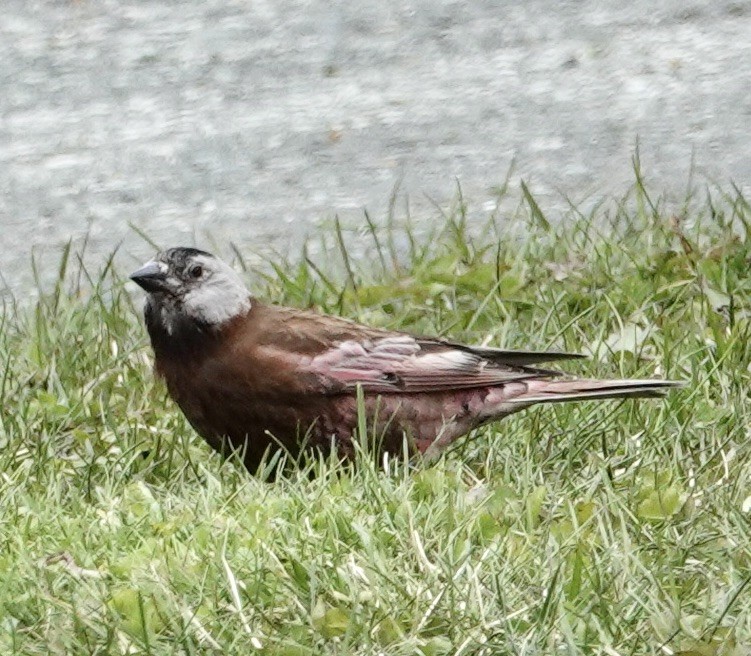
x,y
152,276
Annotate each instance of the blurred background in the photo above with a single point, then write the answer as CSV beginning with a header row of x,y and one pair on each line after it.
x,y
205,121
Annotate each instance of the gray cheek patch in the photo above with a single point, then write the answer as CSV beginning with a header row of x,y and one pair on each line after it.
x,y
214,305
219,298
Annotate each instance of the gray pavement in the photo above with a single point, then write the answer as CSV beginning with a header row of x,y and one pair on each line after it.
x,y
256,120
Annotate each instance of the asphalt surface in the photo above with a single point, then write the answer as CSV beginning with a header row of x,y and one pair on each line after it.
x,y
254,121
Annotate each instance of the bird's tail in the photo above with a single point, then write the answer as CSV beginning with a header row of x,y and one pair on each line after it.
x,y
554,391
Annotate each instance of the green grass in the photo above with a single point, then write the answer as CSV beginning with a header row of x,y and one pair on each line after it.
x,y
595,528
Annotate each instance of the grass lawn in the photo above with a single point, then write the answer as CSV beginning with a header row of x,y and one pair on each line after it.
x,y
590,528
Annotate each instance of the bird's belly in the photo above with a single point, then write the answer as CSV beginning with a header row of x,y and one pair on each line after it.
x,y
421,419
232,419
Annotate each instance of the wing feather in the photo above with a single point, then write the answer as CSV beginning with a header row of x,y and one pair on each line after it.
x,y
402,363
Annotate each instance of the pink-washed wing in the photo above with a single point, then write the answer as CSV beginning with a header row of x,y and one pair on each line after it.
x,y
402,363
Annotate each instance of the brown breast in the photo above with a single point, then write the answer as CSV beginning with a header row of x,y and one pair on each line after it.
x,y
242,384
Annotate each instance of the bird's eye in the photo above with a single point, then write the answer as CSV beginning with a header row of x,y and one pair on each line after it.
x,y
196,271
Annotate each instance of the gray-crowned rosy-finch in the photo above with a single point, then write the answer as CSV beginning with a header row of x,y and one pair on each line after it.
x,y
251,376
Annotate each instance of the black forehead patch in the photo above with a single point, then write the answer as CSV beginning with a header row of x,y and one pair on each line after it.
x,y
181,254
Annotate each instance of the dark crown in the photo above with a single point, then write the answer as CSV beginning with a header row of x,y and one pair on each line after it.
x,y
180,254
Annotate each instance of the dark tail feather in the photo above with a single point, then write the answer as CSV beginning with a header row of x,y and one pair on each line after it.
x,y
554,391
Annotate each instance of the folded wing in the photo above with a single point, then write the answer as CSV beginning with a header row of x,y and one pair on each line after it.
x,y
402,363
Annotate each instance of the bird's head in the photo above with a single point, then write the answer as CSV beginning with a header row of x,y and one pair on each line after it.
x,y
186,285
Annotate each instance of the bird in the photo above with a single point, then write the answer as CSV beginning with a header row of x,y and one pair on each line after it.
x,y
254,378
